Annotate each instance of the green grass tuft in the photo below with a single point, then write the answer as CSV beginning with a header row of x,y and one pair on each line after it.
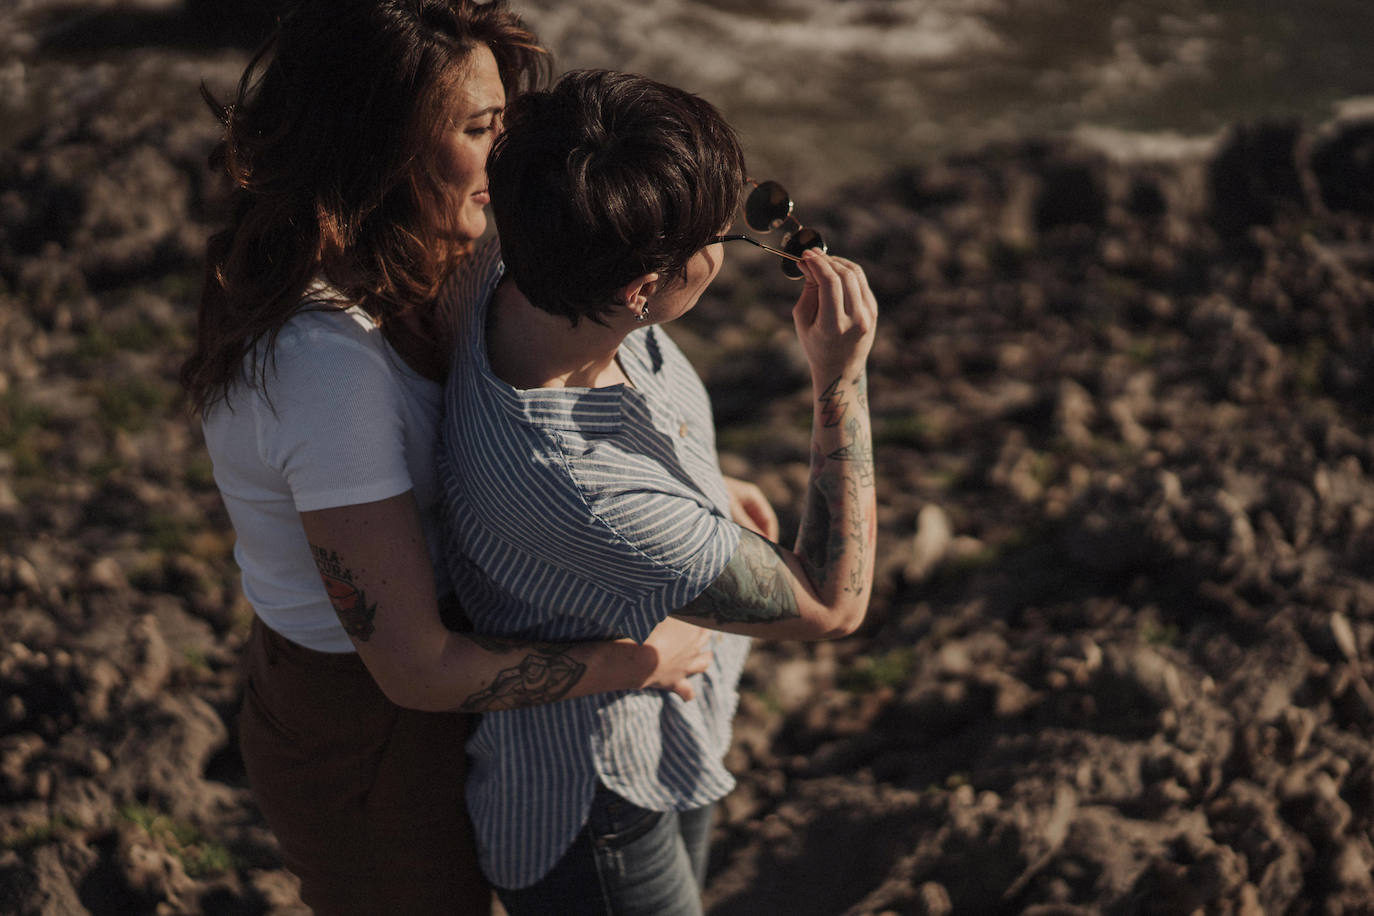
x,y
199,855
892,669
131,403
36,835
169,532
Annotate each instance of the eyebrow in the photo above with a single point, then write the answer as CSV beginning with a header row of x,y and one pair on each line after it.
x,y
486,112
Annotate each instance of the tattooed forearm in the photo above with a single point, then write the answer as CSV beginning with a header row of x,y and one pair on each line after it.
x,y
546,673
355,613
753,588
814,541
832,403
836,530
857,534
857,449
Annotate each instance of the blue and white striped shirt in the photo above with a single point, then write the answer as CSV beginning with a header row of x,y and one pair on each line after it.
x,y
577,514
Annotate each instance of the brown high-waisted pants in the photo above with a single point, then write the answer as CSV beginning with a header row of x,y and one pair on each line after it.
x,y
365,798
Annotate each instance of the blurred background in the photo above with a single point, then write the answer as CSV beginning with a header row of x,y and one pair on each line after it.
x,y
824,91
827,91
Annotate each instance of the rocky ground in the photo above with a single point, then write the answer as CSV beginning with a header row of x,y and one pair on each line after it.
x,y
1119,657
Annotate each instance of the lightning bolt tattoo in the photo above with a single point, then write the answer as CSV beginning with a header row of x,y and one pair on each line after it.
x,y
833,404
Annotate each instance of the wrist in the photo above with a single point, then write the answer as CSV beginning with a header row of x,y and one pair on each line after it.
x,y
822,376
623,664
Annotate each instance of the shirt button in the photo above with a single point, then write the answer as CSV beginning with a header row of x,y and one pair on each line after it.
x,y
682,430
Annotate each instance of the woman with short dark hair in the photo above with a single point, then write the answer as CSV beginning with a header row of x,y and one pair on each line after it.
x,y
584,496
355,150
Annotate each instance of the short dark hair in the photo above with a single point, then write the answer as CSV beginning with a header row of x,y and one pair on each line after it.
x,y
604,178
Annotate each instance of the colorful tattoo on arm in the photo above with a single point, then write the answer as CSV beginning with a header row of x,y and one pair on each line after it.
x,y
350,603
753,588
546,674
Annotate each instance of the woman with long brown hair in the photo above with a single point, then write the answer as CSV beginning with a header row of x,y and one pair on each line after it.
x,y
355,152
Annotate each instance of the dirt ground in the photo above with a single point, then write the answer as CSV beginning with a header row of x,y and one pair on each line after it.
x,y
1119,656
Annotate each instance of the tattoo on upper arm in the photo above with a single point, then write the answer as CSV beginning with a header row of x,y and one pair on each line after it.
x,y
754,587
350,603
546,674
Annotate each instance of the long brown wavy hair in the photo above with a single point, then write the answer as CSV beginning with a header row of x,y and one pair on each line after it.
x,y
330,150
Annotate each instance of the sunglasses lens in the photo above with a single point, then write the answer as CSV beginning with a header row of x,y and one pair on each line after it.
x,y
767,206
795,244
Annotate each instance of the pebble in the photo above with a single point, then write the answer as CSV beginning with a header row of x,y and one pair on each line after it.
x,y
1344,636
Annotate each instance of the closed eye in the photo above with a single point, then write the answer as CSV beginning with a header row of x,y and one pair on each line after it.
x,y
494,124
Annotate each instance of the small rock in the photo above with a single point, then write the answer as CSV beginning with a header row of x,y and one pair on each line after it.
x,y
934,534
1075,413
932,900
15,711
24,577
105,574
1350,866
1344,636
153,658
97,762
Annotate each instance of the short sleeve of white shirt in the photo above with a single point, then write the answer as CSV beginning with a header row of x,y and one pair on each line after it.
x,y
333,429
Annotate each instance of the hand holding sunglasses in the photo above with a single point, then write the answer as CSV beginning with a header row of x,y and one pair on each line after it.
x,y
769,207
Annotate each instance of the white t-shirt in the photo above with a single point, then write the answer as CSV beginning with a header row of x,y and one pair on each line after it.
x,y
344,421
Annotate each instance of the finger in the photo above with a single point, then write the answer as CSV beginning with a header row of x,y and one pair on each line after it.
x,y
765,518
804,312
866,299
851,279
684,689
830,289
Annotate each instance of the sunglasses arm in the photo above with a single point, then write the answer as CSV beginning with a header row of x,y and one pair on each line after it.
x,y
756,242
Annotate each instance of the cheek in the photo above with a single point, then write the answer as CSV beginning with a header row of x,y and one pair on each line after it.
x,y
463,162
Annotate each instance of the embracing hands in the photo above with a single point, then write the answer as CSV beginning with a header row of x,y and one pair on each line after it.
x,y
683,649
749,508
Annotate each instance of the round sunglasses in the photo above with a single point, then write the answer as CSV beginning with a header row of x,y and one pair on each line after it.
x,y
769,207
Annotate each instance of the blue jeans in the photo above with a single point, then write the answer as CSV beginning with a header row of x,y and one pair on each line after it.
x,y
626,862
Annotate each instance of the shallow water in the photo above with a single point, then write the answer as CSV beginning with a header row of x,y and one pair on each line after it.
x,y
824,91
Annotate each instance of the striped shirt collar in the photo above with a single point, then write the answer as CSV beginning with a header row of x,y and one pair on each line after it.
x,y
587,410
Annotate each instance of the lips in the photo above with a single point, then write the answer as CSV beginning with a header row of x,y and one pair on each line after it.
x,y
481,197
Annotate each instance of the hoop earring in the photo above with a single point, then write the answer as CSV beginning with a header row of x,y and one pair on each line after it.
x,y
643,314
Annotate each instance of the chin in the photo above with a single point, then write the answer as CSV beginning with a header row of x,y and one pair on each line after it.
x,y
471,226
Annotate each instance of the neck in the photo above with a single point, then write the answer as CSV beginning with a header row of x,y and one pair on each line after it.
x,y
529,348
